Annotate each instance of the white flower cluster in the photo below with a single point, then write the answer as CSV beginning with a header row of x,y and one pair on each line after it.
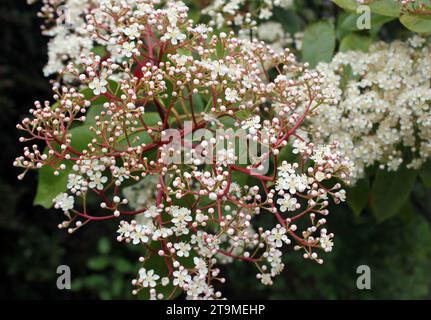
x,y
383,115
65,25
242,13
199,214
246,16
70,37
272,32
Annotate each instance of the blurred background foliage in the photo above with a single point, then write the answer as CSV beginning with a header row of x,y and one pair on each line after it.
x,y
396,246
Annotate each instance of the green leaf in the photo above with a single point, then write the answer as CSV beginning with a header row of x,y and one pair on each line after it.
x,y
357,196
349,23
139,137
98,263
407,212
81,137
390,191
386,7
425,174
104,246
349,5
49,185
91,114
290,21
318,43
355,42
99,51
416,23
122,265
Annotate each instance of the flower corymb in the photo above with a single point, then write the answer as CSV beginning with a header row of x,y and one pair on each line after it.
x,y
173,111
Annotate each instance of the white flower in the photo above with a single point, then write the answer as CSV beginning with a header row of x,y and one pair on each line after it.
x,y
64,201
321,153
326,241
162,233
225,156
235,189
140,234
180,215
247,82
181,60
231,95
320,176
299,146
278,236
172,14
183,249
165,281
341,195
201,28
152,212
286,169
218,69
196,287
128,49
124,229
293,183
201,265
98,86
252,124
120,173
148,278
74,181
175,35
89,167
265,14
287,203
266,279
181,229
181,277
132,31
97,181
274,258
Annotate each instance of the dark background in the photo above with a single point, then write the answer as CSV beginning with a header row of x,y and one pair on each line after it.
x,y
398,251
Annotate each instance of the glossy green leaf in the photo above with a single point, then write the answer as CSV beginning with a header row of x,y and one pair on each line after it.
x,y
290,21
383,7
318,42
349,22
92,112
349,5
49,185
357,196
417,23
355,42
386,7
425,174
139,137
390,191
